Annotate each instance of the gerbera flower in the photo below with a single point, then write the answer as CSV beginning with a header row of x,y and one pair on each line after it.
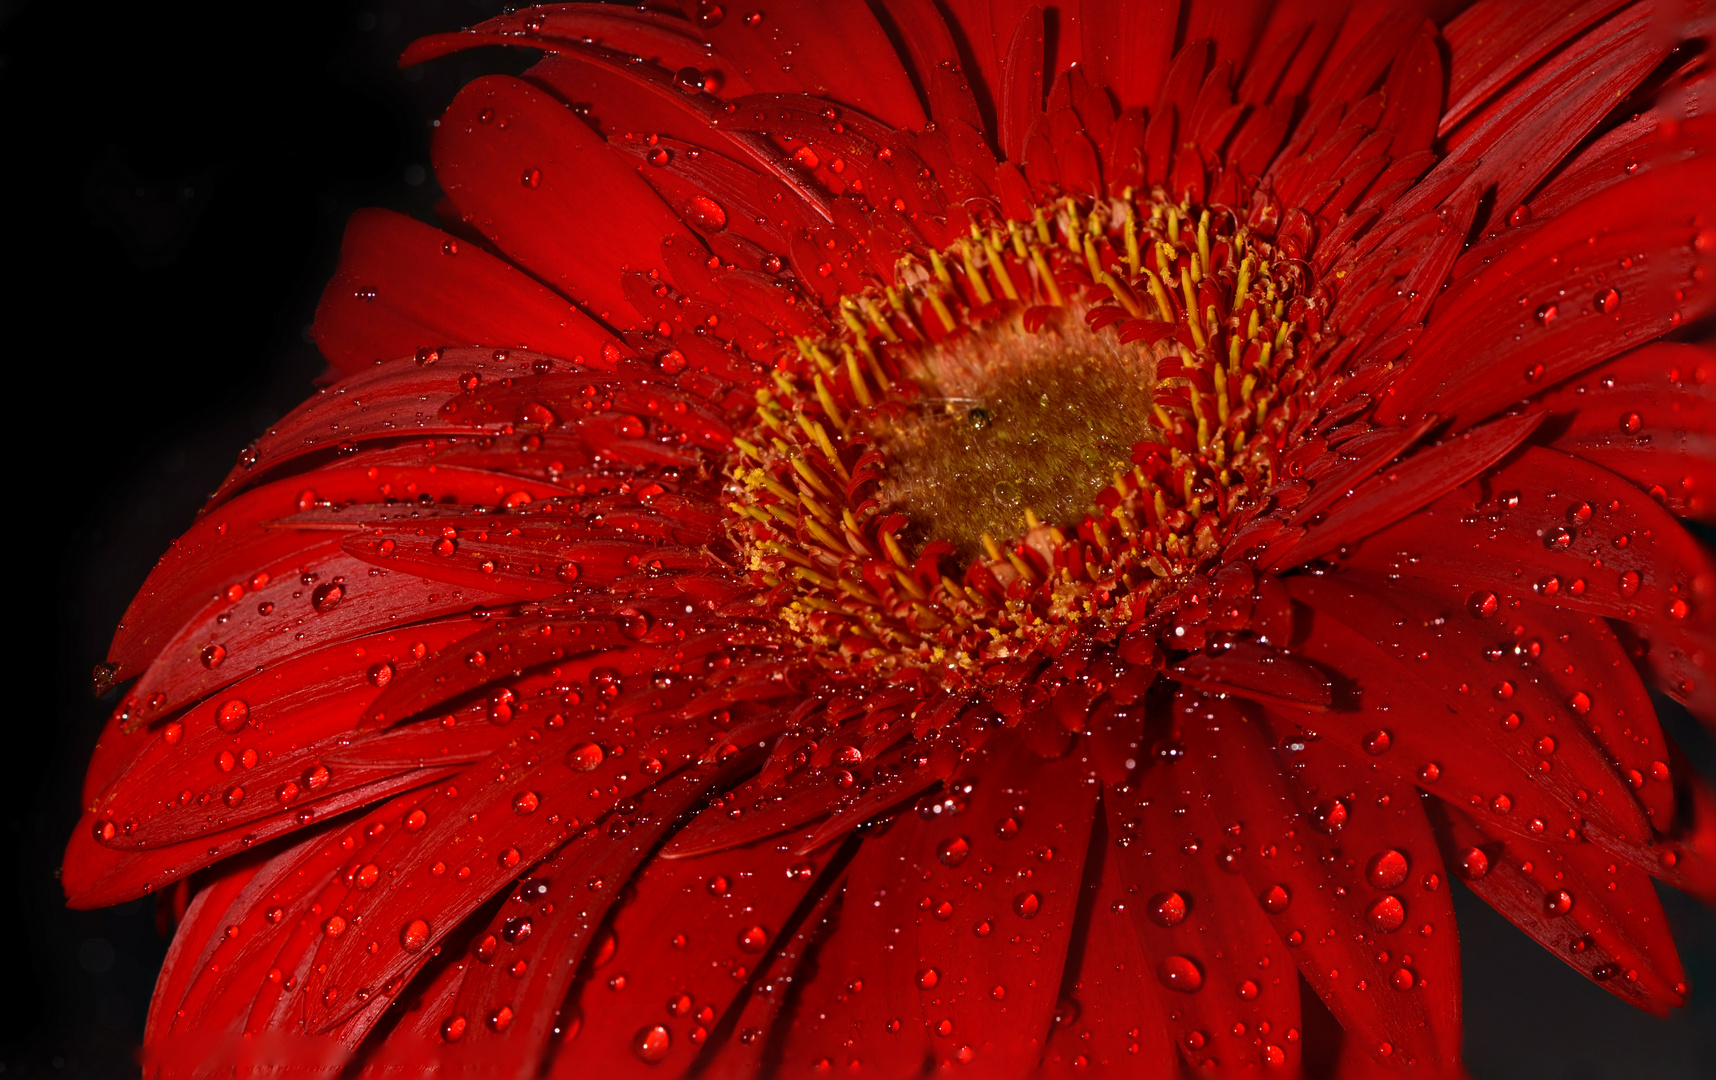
x,y
881,537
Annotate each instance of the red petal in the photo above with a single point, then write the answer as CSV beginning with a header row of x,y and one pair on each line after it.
x,y
258,736
1116,1018
1019,89
1650,416
327,595
1484,347
834,51
384,403
1346,868
1534,124
403,286
1408,486
1204,939
1258,673
743,1052
688,941
1493,42
1430,709
1601,916
526,959
1579,537
480,824
983,967
546,189
229,547
1127,45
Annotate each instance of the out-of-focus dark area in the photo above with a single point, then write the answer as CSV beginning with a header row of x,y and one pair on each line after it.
x,y
176,179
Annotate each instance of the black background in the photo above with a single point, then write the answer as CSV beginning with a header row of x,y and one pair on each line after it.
x,y
176,179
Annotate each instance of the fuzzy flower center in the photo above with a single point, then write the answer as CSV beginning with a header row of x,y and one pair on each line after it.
x,y
1037,433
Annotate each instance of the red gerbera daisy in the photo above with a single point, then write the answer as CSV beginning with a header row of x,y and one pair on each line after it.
x,y
881,537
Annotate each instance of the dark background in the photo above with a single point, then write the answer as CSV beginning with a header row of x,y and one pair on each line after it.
x,y
176,180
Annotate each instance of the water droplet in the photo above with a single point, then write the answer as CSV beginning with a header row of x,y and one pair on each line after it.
x,y
585,757
717,885
1180,973
1402,979
508,858
500,1019
1330,816
953,851
379,674
531,178
705,213
334,926
1276,899
517,929
1502,804
213,656
1387,869
1007,828
1483,604
1378,742
1387,914
567,572
1558,539
1607,301
928,978
453,1028
1027,904
327,597
1247,990
1430,773
1629,584
1472,864
414,935
1167,909
754,940
1559,902
1547,314
233,715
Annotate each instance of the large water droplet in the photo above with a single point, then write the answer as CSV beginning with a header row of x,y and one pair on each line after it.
x,y
1027,904
1387,914
233,715
1180,973
585,757
1387,870
953,851
414,935
706,213
1167,909
1275,899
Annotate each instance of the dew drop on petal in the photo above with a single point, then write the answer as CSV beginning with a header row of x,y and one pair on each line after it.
x,y
1378,742
1167,909
585,757
414,935
1387,869
1472,864
1387,914
953,851
1607,301
1559,902
1180,973
1027,904
1275,899
233,715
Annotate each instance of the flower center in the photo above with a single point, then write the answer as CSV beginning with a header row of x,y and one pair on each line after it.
x,y
1009,422
1037,433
